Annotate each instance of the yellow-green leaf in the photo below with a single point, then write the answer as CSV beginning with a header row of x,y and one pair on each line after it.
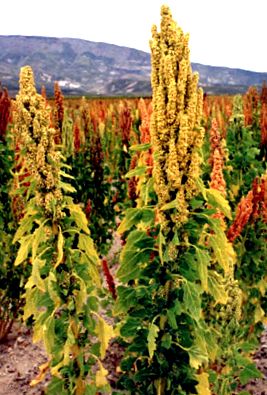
x,y
203,260
38,237
216,287
51,280
217,200
86,244
140,147
101,376
168,206
66,187
41,376
198,354
259,314
30,307
24,249
79,217
105,333
192,300
24,227
153,331
49,334
60,243
138,171
35,277
203,386
80,295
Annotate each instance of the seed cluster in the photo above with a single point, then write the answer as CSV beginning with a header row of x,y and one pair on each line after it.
x,y
32,127
176,131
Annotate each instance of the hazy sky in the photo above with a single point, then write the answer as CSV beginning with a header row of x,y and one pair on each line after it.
x,y
230,33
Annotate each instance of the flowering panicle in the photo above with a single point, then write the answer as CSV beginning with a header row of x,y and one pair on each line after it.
x,y
85,116
251,101
78,135
43,92
145,115
88,209
97,159
41,160
109,279
250,208
176,130
243,213
237,116
216,160
263,126
59,112
5,111
133,181
259,188
263,96
125,124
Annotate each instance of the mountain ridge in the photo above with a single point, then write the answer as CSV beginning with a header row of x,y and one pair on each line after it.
x,y
84,67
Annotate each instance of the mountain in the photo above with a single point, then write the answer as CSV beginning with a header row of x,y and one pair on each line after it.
x,y
92,68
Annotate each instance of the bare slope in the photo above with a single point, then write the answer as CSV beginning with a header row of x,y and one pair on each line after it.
x,y
85,67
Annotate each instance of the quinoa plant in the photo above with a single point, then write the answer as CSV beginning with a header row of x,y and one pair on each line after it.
x,y
63,291
176,255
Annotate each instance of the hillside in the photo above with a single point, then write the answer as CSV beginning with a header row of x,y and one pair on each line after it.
x,y
90,68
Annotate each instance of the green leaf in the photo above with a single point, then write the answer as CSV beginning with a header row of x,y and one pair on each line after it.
x,y
166,341
168,206
203,260
127,298
130,327
172,319
51,281
135,253
138,171
140,147
192,300
153,331
133,216
249,372
56,386
161,243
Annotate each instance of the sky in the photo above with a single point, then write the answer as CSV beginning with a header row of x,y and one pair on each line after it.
x,y
229,33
